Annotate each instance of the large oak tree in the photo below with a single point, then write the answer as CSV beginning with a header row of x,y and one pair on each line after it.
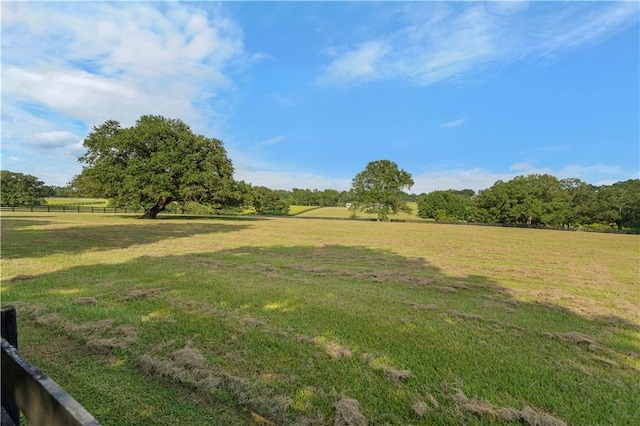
x,y
155,162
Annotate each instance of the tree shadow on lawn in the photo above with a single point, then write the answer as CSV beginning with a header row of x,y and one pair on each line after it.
x,y
386,330
35,238
171,217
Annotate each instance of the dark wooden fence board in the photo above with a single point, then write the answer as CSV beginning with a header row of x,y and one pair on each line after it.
x,y
26,388
9,331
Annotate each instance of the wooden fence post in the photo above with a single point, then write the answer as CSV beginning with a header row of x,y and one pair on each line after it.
x,y
9,331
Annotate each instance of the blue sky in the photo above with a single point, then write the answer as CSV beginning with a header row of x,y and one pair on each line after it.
x,y
305,94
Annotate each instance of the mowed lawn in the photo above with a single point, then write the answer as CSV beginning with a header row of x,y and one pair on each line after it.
x,y
290,321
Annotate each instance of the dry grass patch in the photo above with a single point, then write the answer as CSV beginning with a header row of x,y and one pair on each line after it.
x,y
189,357
421,408
100,336
149,293
348,413
335,350
395,374
527,415
187,366
250,321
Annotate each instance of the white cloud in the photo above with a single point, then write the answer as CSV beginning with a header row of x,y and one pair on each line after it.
x,y
359,64
55,139
566,32
475,179
439,42
250,168
274,141
478,179
454,123
91,62
600,169
521,167
69,66
291,179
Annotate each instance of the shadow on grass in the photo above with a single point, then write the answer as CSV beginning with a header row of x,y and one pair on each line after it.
x,y
232,218
365,323
35,238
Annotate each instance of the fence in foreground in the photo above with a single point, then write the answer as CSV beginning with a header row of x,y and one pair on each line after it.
x,y
28,390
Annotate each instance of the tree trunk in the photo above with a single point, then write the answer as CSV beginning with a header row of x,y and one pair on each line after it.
x,y
153,211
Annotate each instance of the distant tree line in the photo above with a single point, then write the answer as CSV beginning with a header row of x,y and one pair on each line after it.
x,y
159,165
539,200
19,189
533,200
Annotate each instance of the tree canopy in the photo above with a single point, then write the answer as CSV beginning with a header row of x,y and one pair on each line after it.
x,y
447,205
619,203
155,162
268,201
18,189
379,189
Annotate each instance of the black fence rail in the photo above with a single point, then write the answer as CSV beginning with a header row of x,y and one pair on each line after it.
x,y
69,209
28,390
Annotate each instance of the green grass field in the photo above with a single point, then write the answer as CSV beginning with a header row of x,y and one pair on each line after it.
x,y
285,321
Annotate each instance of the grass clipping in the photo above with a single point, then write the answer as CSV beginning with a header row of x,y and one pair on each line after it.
x,y
527,415
100,336
348,413
189,367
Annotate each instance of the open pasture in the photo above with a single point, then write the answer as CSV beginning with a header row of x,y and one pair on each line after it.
x,y
287,321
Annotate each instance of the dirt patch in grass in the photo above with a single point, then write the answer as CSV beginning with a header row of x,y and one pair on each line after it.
x,y
149,293
348,413
527,415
